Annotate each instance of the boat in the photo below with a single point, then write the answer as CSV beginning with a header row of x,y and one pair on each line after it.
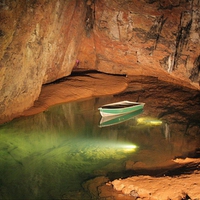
x,y
117,119
120,108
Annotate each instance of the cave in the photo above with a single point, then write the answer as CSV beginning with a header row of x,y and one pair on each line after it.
x,y
61,51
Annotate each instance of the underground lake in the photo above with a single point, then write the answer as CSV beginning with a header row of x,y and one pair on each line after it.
x,y
52,154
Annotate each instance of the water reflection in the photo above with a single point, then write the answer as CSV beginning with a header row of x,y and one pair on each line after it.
x,y
167,131
51,154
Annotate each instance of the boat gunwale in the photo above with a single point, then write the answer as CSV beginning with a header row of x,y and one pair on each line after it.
x,y
127,104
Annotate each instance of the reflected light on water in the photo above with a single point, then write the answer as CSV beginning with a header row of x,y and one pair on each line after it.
x,y
123,146
149,121
109,147
129,148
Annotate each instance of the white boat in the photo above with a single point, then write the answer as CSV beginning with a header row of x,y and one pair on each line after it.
x,y
120,108
117,119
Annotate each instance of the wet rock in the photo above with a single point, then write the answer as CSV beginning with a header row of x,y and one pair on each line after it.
x,y
92,185
134,194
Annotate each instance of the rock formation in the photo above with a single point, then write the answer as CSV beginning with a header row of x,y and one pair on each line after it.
x,y
41,41
147,37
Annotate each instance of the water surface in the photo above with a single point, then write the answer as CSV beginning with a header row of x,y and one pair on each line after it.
x,y
52,154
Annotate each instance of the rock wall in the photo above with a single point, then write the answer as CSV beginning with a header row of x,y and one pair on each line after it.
x,y
41,41
150,37
39,44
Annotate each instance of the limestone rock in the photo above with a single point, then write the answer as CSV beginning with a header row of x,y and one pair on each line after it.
x,y
39,43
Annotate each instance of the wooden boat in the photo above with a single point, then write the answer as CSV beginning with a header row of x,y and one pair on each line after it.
x,y
118,119
120,108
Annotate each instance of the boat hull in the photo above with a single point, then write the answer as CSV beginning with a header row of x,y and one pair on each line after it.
x,y
120,108
118,119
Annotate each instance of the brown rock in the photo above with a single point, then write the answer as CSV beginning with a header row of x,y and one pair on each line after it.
x,y
41,41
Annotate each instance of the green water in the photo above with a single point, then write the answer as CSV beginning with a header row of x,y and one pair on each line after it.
x,y
52,154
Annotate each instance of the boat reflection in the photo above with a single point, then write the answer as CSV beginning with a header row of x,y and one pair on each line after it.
x,y
113,120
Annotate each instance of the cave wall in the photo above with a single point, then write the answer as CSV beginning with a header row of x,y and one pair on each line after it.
x,y
150,37
41,41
